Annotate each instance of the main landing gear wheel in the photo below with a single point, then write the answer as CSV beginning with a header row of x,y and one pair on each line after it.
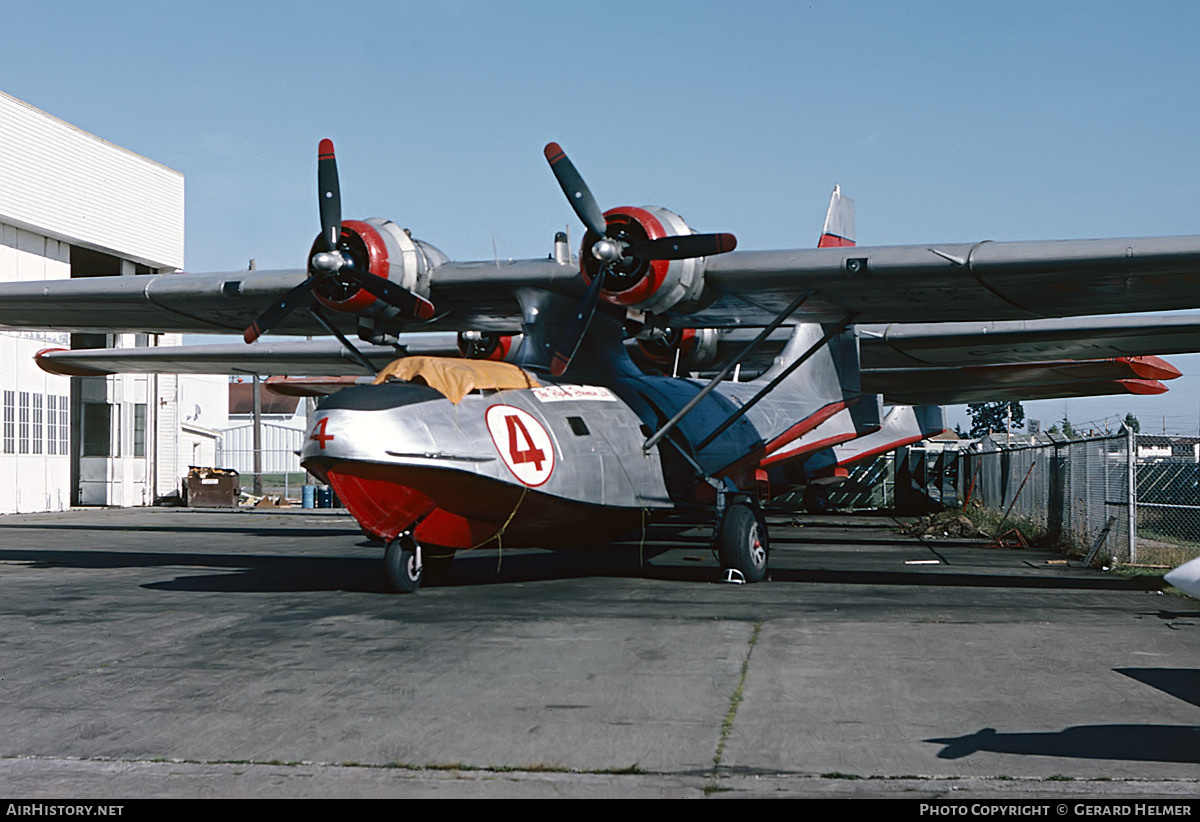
x,y
402,564
742,543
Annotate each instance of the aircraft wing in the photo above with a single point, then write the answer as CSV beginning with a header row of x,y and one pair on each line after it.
x,y
1019,382
467,296
887,284
980,281
314,358
923,345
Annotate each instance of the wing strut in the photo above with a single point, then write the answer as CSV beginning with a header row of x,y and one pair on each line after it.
x,y
355,354
724,372
831,331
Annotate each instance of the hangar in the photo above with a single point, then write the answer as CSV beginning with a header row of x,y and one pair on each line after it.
x,y
75,205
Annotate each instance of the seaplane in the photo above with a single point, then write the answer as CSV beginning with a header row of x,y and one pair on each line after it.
x,y
545,429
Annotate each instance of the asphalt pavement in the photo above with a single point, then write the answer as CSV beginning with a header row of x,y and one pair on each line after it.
x,y
208,653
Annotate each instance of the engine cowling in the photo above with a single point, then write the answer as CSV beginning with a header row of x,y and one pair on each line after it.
x,y
476,345
383,249
696,349
645,285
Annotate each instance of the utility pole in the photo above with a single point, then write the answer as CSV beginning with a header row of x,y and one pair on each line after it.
x,y
258,484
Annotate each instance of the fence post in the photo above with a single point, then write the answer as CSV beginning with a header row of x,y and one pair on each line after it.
x,y
1131,451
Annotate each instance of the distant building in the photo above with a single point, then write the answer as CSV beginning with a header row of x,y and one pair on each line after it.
x,y
1186,449
1153,447
284,421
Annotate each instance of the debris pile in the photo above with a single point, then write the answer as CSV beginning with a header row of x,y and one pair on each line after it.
x,y
943,525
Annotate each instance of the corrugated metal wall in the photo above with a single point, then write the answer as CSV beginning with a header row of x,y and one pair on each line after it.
x,y
279,447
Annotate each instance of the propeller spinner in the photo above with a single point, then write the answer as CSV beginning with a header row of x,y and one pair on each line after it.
x,y
340,262
617,250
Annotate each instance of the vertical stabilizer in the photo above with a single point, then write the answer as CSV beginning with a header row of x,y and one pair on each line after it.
x,y
839,222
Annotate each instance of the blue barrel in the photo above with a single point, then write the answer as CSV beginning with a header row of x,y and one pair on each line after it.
x,y
324,497
308,496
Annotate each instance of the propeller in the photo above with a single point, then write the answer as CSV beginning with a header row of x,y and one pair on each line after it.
x,y
615,251
335,261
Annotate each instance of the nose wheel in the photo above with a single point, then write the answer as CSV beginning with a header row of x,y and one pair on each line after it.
x,y
741,542
402,563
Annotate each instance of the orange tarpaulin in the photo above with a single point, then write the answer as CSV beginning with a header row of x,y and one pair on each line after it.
x,y
456,378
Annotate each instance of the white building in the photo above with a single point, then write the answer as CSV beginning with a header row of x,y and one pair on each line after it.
x,y
74,205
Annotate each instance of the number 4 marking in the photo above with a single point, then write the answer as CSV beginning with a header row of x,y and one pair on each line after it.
x,y
319,434
530,454
522,443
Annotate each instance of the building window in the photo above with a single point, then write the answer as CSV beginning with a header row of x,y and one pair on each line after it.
x,y
64,425
23,422
10,422
139,429
38,429
51,424
101,423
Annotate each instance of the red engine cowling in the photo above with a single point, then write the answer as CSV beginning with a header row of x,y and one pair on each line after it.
x,y
385,250
475,345
645,285
696,349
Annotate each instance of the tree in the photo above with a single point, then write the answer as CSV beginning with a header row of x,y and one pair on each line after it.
x,y
993,416
1131,422
1068,430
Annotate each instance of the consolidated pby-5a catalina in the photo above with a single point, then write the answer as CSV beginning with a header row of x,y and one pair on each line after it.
x,y
446,455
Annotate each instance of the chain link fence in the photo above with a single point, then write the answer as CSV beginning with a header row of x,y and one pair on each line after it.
x,y
1077,493
1168,510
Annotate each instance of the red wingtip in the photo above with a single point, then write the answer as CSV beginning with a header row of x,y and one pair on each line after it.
x,y
325,150
51,367
553,152
1143,386
1152,368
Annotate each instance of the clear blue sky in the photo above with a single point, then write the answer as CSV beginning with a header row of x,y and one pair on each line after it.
x,y
945,121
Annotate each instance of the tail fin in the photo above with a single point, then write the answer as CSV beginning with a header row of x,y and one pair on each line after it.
x,y
839,222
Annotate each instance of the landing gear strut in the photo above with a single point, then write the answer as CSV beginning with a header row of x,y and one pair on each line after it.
x,y
402,563
741,541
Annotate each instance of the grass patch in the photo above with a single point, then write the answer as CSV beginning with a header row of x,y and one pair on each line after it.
x,y
736,699
1156,549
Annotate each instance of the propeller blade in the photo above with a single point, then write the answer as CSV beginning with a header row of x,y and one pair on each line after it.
x,y
580,196
330,195
567,347
414,305
682,247
299,296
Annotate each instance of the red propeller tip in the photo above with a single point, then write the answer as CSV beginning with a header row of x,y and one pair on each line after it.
x,y
325,150
422,308
553,152
251,334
